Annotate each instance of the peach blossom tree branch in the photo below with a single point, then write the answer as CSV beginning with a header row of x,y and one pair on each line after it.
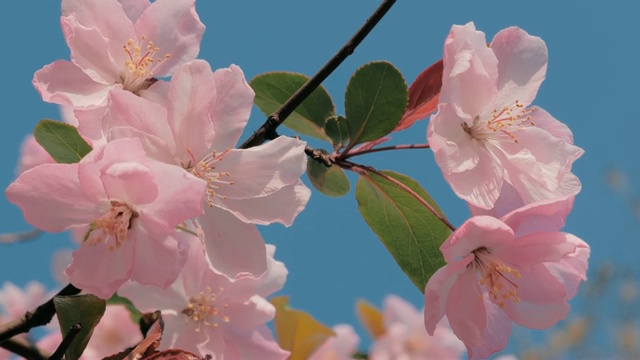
x,y
268,130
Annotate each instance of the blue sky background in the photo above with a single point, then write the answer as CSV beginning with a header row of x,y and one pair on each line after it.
x,y
332,256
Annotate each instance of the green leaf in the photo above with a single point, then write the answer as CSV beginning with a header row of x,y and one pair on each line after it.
x,y
84,309
297,331
411,233
61,141
330,181
133,311
275,88
374,102
337,130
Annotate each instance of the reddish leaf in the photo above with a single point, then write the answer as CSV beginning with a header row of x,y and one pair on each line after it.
x,y
151,342
423,96
176,354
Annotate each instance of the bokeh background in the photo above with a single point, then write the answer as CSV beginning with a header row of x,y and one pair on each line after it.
x,y
332,256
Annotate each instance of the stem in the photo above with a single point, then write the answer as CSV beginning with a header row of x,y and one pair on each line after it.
x,y
384,148
319,155
41,316
19,236
24,348
268,130
363,170
66,342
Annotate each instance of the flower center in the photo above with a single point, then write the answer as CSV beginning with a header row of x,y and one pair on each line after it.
x,y
114,224
495,277
139,64
501,122
206,170
204,310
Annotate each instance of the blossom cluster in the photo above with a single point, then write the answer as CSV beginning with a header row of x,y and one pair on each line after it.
x,y
511,162
164,207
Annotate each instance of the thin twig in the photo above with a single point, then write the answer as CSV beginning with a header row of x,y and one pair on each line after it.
x,y
384,148
268,130
66,342
41,316
19,236
24,348
363,170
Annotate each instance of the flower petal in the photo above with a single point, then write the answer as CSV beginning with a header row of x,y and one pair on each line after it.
x,y
261,170
63,82
87,45
468,60
50,198
174,27
437,291
291,200
180,196
101,270
547,215
159,259
522,65
482,326
477,232
234,249
542,299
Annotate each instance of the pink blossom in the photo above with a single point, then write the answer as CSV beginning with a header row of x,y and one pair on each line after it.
x,y
206,313
342,346
32,155
486,135
519,269
128,49
205,115
131,204
15,301
405,336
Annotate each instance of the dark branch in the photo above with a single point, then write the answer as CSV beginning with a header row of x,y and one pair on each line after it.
x,y
268,130
24,349
319,155
66,342
41,316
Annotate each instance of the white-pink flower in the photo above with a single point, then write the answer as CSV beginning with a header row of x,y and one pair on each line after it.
x,y
32,154
519,268
206,313
124,44
16,301
486,135
204,117
342,346
131,204
406,338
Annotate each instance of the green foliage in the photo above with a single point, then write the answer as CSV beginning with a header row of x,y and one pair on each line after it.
x,y
330,181
337,130
274,89
375,100
84,309
411,233
61,141
133,311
